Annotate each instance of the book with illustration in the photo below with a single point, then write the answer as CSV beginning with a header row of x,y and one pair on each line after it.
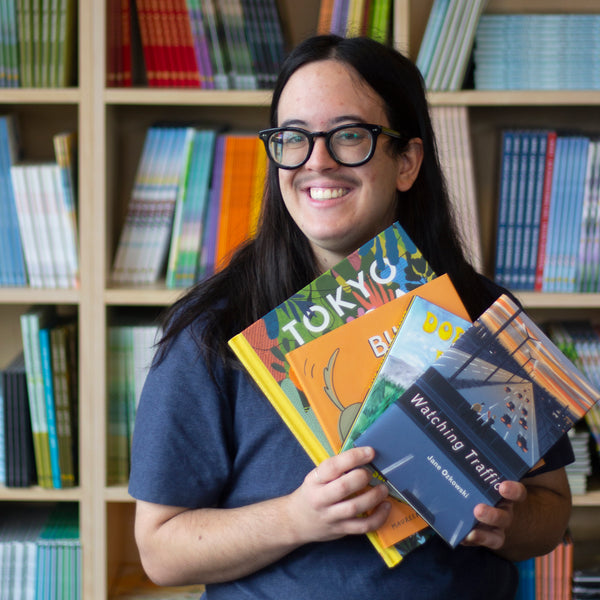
x,y
486,411
382,269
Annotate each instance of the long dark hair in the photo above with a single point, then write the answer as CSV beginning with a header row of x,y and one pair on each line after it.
x,y
279,261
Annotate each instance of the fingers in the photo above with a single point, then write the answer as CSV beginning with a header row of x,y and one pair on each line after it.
x,y
335,466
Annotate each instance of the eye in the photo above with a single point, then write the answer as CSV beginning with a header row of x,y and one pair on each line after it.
x,y
293,138
350,137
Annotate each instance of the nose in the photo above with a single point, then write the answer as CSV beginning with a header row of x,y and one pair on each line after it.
x,y
320,159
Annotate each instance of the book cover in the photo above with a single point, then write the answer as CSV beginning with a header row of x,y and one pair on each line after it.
x,y
486,411
387,266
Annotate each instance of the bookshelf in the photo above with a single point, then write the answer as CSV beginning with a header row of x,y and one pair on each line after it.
x,y
111,124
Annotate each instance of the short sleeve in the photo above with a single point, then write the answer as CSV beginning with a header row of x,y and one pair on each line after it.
x,y
180,452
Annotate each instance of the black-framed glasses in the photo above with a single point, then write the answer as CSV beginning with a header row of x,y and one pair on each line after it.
x,y
350,145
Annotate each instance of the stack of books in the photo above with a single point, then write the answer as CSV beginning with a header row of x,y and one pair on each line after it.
x,y
210,44
452,408
40,404
548,232
537,52
38,43
130,350
348,18
445,51
548,576
41,552
38,203
196,196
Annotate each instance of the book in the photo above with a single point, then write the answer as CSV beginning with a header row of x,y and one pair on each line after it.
x,y
486,411
387,266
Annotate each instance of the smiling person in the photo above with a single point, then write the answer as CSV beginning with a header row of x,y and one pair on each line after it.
x,y
225,494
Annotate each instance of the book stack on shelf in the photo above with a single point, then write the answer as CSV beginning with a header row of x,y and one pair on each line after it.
x,y
371,18
40,552
38,43
586,583
210,44
547,576
446,48
130,352
40,405
548,231
537,52
38,203
579,471
195,197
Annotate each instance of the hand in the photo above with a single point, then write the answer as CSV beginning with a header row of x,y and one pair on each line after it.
x,y
494,522
336,499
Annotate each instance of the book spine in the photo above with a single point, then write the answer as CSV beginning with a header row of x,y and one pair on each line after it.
x,y
46,366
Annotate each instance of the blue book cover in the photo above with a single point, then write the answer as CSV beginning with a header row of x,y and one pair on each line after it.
x,y
486,411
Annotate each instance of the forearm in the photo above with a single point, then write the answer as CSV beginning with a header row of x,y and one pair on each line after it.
x,y
539,523
211,545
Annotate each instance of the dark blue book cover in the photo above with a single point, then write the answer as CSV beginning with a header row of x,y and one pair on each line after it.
x,y
486,411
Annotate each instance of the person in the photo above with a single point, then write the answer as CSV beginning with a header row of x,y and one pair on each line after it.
x,y
225,495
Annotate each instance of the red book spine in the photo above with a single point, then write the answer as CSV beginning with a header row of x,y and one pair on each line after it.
x,y
125,23
545,213
185,41
145,33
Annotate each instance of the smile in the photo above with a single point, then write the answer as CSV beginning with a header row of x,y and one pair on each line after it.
x,y
327,193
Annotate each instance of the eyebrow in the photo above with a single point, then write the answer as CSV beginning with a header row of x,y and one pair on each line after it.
x,y
335,121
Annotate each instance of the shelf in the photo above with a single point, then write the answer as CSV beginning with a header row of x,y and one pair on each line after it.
x,y
27,295
192,97
39,494
40,96
117,493
147,295
552,300
510,98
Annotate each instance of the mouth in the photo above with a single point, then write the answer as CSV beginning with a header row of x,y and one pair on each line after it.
x,y
317,193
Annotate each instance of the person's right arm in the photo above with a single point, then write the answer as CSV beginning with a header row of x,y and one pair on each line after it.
x,y
181,546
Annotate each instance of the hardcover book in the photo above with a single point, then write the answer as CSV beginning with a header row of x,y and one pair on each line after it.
x,y
384,268
485,412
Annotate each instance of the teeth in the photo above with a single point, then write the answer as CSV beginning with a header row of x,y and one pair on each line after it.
x,y
326,193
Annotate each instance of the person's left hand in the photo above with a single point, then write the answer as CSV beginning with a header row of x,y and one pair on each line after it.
x,y
494,522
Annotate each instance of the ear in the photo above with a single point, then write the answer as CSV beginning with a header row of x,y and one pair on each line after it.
x,y
409,164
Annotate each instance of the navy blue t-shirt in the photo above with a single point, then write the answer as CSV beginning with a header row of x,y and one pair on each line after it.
x,y
199,445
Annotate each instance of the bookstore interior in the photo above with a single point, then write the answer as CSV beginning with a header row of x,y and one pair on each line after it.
x,y
130,168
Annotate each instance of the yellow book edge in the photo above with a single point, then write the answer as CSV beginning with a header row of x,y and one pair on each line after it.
x,y
295,423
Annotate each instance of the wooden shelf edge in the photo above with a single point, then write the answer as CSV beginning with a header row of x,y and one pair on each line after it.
x,y
40,96
553,300
142,296
510,98
39,494
182,96
117,493
27,295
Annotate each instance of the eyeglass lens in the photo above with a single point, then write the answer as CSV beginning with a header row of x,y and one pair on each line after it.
x,y
349,145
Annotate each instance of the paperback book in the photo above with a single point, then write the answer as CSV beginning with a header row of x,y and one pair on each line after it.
x,y
485,412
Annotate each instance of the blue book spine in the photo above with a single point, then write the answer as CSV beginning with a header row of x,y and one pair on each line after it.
x,y
515,165
518,247
50,407
506,161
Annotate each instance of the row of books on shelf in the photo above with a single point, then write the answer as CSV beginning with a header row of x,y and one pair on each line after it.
x,y
451,407
548,231
211,44
39,408
197,192
195,197
131,347
445,51
38,214
347,18
40,552
38,43
547,576
537,52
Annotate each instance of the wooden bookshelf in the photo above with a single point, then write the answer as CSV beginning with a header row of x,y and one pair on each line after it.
x,y
111,124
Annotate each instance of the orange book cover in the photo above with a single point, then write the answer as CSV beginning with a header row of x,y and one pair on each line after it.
x,y
236,195
258,183
325,14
